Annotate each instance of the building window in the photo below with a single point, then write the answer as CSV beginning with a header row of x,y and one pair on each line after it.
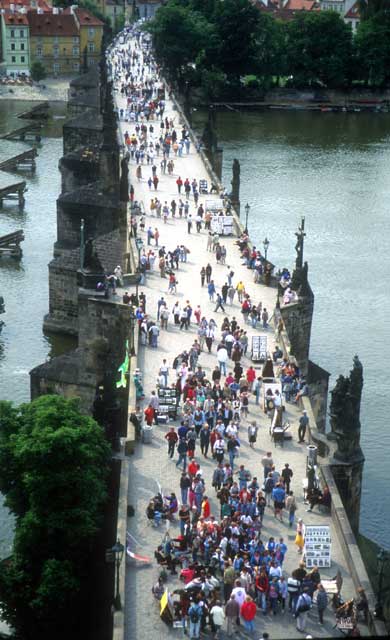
x,y
56,51
21,58
56,67
12,46
75,39
91,32
91,47
76,51
39,52
22,46
12,33
55,39
21,33
13,59
76,66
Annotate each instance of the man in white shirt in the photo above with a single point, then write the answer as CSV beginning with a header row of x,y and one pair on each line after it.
x,y
239,593
222,356
217,618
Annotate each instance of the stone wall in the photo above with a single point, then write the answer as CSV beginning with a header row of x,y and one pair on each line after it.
x,y
297,319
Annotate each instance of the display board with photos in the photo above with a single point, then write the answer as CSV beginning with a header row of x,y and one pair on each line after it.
x,y
318,546
259,348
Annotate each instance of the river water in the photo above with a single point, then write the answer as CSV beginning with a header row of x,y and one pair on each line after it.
x,y
24,283
334,169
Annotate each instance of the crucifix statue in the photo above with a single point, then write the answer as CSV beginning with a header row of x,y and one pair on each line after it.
x,y
299,245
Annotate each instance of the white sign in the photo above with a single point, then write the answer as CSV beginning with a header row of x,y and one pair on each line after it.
x,y
259,348
318,546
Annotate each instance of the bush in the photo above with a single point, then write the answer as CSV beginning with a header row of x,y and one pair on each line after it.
x,y
37,71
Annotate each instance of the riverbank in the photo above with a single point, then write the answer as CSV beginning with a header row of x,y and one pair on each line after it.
x,y
324,101
52,89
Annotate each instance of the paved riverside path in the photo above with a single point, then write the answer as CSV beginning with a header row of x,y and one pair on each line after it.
x,y
150,464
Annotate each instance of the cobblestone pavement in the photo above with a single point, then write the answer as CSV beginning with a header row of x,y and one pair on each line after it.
x,y
150,463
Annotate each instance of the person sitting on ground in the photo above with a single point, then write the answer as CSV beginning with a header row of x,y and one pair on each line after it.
x,y
320,497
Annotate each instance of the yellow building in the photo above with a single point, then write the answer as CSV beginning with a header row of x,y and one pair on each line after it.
x,y
55,42
63,40
91,34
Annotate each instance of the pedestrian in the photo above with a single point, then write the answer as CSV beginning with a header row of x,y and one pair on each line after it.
x,y
185,484
322,602
195,616
303,423
204,435
299,537
222,357
219,304
182,449
171,437
202,276
265,317
248,613
232,609
304,604
217,618
209,270
252,434
211,290
287,474
291,507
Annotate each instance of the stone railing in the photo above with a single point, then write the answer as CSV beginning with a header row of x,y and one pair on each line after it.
x,y
127,448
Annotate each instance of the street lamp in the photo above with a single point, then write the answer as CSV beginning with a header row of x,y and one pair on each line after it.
x,y
247,209
118,551
132,327
139,244
381,560
265,245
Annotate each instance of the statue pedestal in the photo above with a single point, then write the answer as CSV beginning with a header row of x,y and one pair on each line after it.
x,y
88,279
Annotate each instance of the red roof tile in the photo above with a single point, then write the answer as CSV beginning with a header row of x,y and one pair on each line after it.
x,y
15,19
86,18
353,12
43,24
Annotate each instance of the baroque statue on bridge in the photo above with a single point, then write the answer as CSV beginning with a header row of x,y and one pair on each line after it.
x,y
345,412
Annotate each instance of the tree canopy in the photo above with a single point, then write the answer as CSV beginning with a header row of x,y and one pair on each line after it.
x,y
54,463
215,44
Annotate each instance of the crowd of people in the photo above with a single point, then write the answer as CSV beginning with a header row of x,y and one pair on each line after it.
x,y
229,569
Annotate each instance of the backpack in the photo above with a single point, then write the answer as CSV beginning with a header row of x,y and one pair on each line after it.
x,y
305,606
194,615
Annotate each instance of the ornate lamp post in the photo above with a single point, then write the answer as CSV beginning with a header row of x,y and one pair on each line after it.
x,y
247,209
132,327
118,551
266,244
139,244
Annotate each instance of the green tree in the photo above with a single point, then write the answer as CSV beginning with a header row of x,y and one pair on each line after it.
x,y
318,49
372,43
179,35
54,463
236,24
37,71
269,58
370,8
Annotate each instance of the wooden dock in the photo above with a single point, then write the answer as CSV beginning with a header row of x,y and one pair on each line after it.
x,y
16,155
12,189
10,244
38,112
31,131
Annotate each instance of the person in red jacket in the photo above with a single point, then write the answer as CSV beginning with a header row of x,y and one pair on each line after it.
x,y
205,508
262,585
149,415
248,613
250,376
